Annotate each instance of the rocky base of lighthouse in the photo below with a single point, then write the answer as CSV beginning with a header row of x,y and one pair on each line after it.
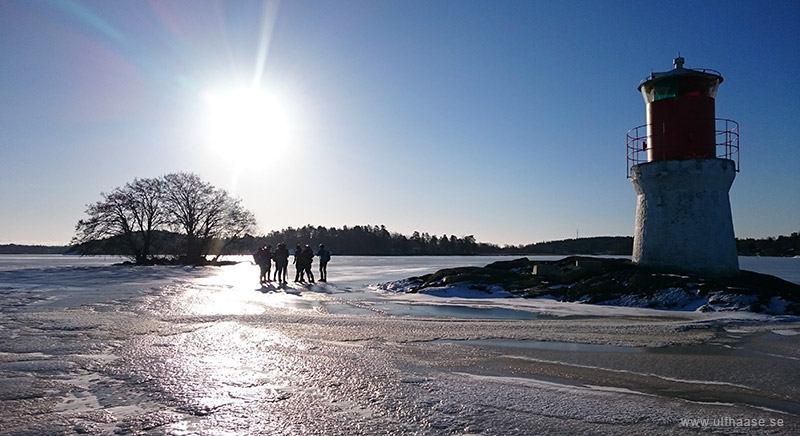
x,y
683,216
608,281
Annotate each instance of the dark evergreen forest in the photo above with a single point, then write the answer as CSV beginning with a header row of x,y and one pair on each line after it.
x,y
33,249
780,246
376,240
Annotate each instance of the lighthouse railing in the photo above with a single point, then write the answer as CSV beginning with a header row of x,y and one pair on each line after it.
x,y
727,143
727,132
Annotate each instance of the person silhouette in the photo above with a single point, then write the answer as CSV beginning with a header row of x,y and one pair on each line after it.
x,y
307,256
281,257
324,257
262,258
298,264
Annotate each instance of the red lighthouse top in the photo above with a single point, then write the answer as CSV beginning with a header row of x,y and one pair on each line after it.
x,y
680,82
681,121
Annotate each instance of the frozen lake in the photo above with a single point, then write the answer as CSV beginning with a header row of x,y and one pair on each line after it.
x,y
89,348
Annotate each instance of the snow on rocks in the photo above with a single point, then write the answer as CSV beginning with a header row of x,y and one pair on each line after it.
x,y
606,281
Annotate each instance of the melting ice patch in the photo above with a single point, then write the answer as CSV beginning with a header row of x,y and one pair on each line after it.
x,y
786,332
671,298
466,291
457,290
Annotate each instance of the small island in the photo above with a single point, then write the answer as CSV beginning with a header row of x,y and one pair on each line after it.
x,y
610,281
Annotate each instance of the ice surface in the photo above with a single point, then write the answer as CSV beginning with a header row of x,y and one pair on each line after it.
x,y
786,332
96,349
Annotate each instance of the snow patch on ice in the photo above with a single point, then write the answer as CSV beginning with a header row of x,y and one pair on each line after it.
x,y
689,300
671,298
396,287
777,305
624,371
550,306
457,290
617,390
465,290
724,301
786,332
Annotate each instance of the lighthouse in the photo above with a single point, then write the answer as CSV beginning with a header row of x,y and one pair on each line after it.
x,y
682,164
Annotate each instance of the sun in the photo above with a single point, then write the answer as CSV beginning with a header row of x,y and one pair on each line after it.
x,y
247,123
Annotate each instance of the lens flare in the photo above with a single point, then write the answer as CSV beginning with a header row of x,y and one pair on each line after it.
x,y
247,124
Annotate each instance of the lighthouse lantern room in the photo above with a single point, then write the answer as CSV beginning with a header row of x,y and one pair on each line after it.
x,y
682,164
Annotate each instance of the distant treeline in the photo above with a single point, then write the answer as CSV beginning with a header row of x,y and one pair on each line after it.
x,y
616,245
369,240
377,240
780,246
33,249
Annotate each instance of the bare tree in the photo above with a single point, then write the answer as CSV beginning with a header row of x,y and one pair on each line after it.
x,y
238,222
208,219
148,198
204,214
130,214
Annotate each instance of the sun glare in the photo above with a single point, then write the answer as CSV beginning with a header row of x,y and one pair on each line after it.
x,y
247,124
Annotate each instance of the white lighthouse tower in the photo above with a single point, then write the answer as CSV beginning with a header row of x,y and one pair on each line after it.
x,y
682,164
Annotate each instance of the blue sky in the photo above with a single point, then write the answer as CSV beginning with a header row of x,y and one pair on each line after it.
x,y
500,119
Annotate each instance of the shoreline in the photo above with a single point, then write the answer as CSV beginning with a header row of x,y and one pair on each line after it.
x,y
611,281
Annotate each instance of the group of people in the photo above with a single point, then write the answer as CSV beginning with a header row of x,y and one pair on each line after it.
x,y
303,260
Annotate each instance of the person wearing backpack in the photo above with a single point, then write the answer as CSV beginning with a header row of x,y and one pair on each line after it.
x,y
324,258
307,257
298,264
263,258
281,257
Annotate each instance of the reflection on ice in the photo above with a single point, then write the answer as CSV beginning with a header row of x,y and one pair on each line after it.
x,y
547,345
224,362
451,311
173,350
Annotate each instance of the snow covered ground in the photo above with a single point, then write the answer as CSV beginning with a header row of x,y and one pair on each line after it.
x,y
88,348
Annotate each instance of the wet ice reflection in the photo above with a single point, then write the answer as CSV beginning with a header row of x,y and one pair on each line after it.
x,y
206,351
213,365
230,290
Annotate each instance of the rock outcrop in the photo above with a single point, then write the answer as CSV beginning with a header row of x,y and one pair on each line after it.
x,y
619,282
